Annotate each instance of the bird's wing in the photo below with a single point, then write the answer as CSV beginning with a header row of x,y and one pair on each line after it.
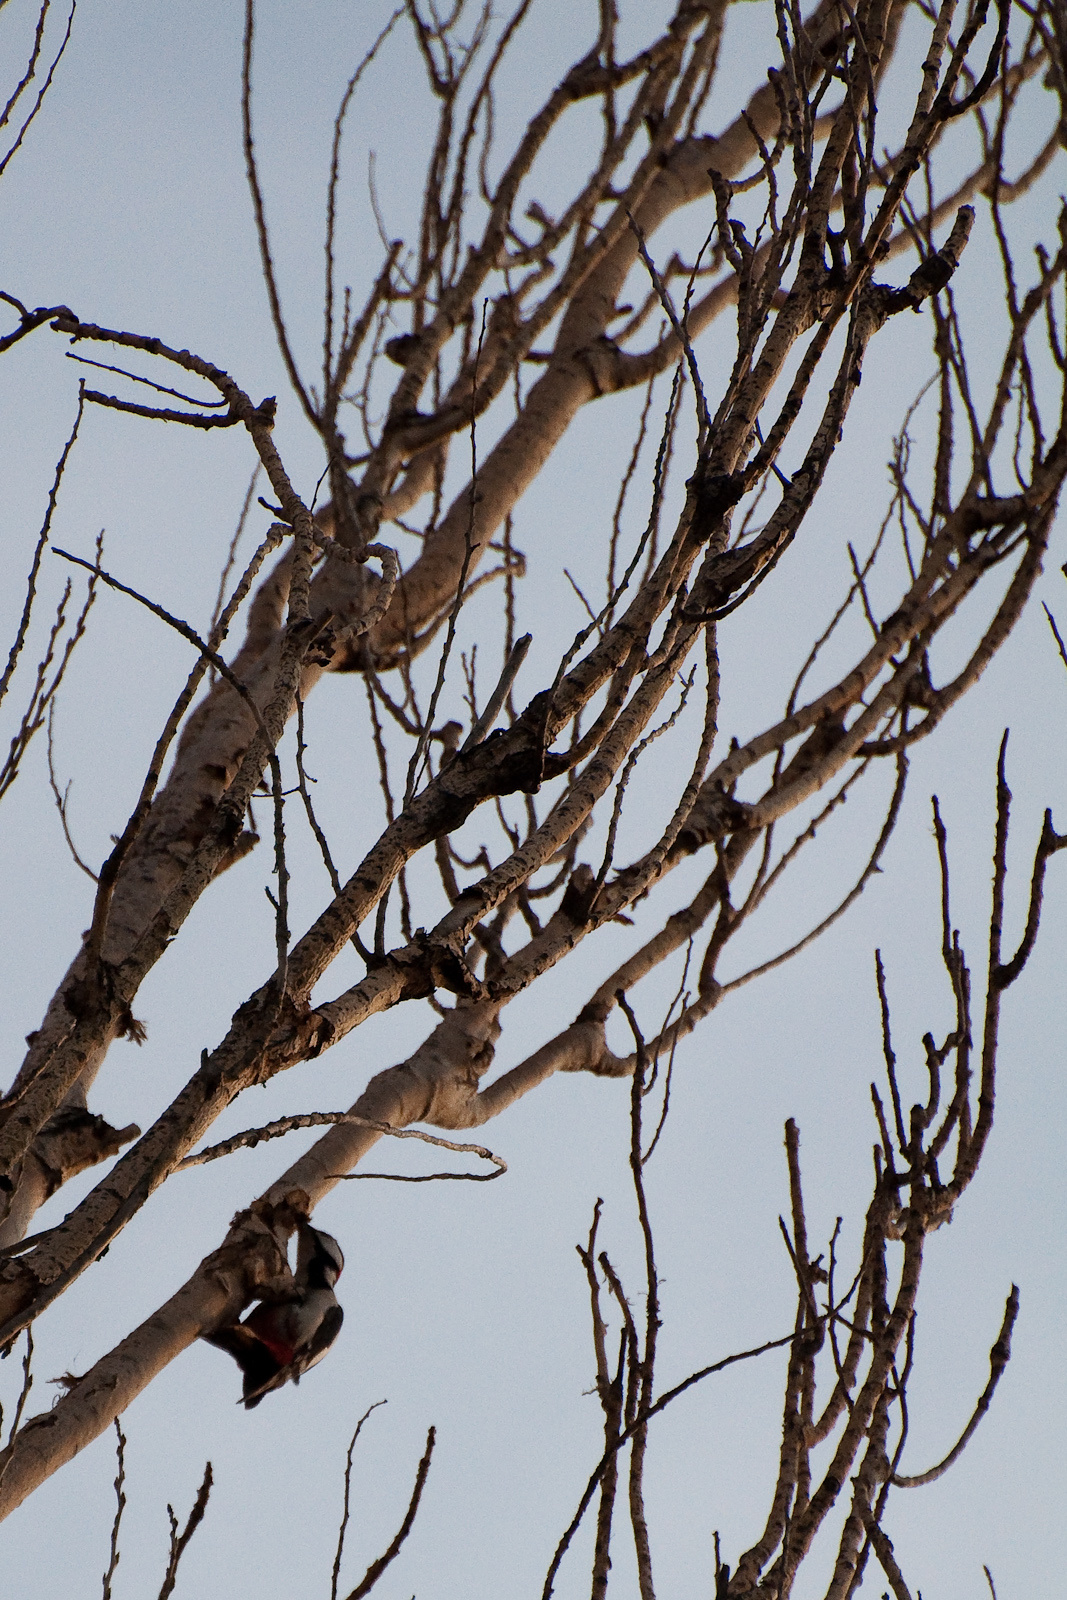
x,y
320,1341
256,1361
237,1340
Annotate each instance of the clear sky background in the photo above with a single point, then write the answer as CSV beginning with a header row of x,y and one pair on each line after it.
x,y
465,1304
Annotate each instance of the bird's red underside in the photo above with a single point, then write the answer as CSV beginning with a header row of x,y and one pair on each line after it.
x,y
282,1352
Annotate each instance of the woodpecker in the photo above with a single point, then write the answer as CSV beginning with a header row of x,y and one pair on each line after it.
x,y
276,1342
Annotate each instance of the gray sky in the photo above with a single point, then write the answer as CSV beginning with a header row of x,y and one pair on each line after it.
x,y
465,1304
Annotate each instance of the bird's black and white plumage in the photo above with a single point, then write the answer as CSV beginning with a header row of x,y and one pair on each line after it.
x,y
279,1341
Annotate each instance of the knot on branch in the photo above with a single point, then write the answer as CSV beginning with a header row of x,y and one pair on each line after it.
x,y
603,362
586,77
714,495
450,1065
930,276
19,1287
588,1046
426,965
578,897
447,968
74,1140
400,349
94,996
714,815
252,1263
302,1035
508,760
822,739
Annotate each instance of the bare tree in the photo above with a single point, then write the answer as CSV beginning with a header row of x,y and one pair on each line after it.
x,y
841,195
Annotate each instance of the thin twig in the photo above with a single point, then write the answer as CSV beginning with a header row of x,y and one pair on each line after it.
x,y
43,692
376,1568
43,89
681,333
24,1393
999,1357
179,1541
415,765
680,999
647,1364
42,540
231,554
639,1421
313,822
336,1574
149,383
266,259
120,1506
325,1119
330,377
62,799
280,904
31,65
483,725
